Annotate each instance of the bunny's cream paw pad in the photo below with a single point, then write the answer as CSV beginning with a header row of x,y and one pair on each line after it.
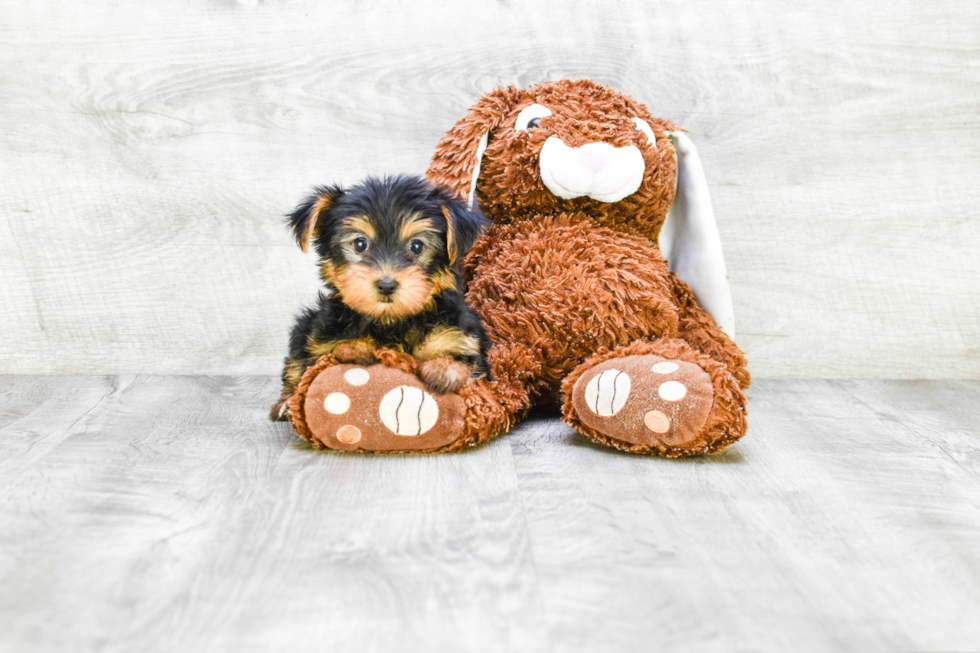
x,y
645,400
379,408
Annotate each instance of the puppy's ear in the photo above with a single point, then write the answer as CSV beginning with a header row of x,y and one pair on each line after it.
x,y
310,216
463,227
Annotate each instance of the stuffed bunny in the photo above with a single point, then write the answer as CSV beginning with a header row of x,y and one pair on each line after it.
x,y
584,309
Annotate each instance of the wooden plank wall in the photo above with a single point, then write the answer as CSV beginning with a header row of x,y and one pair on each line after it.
x,y
147,151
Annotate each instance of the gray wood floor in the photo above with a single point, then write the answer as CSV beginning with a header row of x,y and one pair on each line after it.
x,y
154,513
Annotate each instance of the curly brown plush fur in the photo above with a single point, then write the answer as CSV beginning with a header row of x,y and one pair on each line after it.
x,y
565,284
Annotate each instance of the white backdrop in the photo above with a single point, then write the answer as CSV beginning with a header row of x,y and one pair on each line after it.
x,y
148,150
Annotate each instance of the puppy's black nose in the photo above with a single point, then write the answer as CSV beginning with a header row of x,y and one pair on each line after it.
x,y
386,286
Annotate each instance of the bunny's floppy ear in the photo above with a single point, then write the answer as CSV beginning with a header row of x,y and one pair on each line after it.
x,y
456,162
689,239
309,218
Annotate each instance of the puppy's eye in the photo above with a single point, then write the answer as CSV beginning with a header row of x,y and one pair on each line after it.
x,y
361,245
530,117
416,247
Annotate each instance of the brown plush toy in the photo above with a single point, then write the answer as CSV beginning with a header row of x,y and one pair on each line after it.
x,y
578,298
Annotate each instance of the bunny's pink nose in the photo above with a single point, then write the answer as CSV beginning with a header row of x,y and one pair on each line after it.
x,y
596,156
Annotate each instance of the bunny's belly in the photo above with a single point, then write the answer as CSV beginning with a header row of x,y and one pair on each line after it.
x,y
566,288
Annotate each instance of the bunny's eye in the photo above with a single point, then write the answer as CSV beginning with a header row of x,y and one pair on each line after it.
x,y
530,117
360,245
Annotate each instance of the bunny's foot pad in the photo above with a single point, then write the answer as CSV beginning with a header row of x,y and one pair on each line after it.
x,y
646,400
374,408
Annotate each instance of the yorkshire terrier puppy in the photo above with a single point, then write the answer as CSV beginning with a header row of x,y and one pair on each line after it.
x,y
389,255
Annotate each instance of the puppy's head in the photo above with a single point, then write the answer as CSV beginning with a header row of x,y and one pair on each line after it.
x,y
389,246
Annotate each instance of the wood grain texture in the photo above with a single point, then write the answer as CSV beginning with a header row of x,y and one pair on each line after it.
x,y
147,151
838,524
148,513
175,517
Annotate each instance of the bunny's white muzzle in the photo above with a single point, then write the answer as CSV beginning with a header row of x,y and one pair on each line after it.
x,y
597,170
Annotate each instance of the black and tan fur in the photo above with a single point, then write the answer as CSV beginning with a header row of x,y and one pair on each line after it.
x,y
389,256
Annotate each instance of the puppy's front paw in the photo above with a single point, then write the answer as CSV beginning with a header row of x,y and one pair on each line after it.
x,y
356,352
278,411
444,375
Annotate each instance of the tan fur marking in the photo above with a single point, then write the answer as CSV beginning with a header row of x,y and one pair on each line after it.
x,y
327,270
357,289
444,280
414,226
292,374
318,348
322,204
447,341
356,348
361,223
450,236
359,351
